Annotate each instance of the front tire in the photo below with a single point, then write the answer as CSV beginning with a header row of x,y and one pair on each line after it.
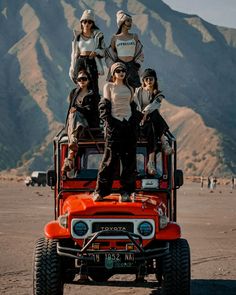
x,y
47,269
176,269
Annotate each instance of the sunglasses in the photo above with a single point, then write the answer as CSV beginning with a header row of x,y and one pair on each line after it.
x,y
149,78
87,21
84,79
118,71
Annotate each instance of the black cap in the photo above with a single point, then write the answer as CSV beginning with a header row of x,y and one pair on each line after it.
x,y
149,73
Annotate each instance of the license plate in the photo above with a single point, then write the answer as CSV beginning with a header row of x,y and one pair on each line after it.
x,y
115,260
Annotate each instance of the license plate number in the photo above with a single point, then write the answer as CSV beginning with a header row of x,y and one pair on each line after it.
x,y
113,256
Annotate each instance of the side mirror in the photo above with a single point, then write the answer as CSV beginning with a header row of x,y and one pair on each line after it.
x,y
179,178
51,178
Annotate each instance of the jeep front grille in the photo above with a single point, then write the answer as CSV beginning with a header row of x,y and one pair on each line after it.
x,y
98,226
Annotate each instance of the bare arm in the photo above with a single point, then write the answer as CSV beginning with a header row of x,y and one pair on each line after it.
x,y
107,91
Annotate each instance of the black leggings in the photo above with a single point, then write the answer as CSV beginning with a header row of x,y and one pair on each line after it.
x,y
153,129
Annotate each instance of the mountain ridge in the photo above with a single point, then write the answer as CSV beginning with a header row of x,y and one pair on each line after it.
x,y
183,48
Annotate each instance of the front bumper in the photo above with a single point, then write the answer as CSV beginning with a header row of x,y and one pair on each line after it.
x,y
139,254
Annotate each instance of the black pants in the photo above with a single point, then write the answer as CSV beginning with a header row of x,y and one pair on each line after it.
x,y
154,127
88,64
120,145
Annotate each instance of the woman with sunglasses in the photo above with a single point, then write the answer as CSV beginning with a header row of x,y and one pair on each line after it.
x,y
82,113
87,50
148,98
125,47
117,110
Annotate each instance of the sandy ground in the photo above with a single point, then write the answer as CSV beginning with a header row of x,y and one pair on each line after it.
x,y
208,222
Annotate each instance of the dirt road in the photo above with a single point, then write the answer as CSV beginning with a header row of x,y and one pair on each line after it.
x,y
208,222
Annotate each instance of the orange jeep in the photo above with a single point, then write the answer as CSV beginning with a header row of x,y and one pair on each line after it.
x,y
100,239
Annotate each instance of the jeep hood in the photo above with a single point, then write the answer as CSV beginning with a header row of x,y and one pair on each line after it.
x,y
83,204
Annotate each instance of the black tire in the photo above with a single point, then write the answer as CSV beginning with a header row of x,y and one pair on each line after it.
x,y
47,275
176,269
100,275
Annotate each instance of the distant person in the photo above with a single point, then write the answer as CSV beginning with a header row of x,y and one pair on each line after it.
x,y
214,182
125,47
82,113
148,97
211,184
232,182
88,49
117,111
202,182
208,182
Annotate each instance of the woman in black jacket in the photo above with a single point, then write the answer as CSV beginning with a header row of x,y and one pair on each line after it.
x,y
82,113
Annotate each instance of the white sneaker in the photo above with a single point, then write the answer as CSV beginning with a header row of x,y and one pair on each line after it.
x,y
151,168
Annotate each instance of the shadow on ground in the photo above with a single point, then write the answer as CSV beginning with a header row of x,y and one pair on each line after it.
x,y
213,287
198,287
209,287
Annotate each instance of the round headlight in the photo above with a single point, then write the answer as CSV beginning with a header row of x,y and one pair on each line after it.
x,y
145,228
80,228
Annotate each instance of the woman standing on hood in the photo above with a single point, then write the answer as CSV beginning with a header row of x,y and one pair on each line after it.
x,y
118,111
87,50
125,47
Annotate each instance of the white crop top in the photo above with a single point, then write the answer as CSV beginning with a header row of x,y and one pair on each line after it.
x,y
125,47
86,45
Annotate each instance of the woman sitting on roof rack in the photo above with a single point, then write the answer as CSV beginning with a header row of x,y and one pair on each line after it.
x,y
118,111
125,47
148,98
82,113
87,50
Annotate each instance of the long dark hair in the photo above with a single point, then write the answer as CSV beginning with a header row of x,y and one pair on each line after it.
x,y
126,83
90,86
156,89
120,27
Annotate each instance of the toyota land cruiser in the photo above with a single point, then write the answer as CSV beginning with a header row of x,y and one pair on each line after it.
x,y
101,239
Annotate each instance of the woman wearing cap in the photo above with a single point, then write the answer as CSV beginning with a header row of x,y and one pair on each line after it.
x,y
87,50
82,113
127,48
148,98
117,110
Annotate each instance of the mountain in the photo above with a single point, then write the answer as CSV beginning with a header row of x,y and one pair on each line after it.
x,y
195,61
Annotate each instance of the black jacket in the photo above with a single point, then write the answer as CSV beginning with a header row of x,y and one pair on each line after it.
x,y
88,107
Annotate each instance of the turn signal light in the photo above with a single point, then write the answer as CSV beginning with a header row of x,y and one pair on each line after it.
x,y
129,247
95,246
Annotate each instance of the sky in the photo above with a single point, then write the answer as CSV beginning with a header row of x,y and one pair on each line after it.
x,y
217,12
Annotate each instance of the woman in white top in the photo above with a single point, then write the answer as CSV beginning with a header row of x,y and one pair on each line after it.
x,y
117,110
127,48
87,50
148,99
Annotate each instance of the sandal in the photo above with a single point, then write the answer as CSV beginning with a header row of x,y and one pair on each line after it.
x,y
151,168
